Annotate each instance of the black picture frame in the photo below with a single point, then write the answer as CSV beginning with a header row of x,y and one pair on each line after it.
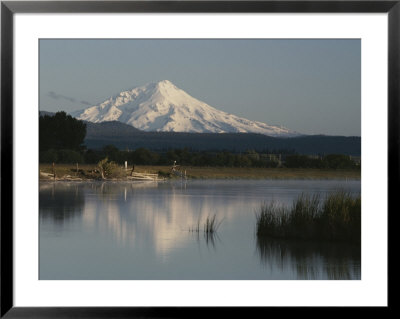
x,y
9,8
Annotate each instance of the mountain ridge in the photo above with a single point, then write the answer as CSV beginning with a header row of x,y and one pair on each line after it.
x,y
163,107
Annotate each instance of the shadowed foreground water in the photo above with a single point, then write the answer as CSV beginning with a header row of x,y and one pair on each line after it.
x,y
141,230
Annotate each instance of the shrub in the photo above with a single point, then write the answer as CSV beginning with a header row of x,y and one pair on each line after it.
x,y
109,169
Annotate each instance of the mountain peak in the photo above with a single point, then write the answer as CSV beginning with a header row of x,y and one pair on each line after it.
x,y
162,106
165,83
166,86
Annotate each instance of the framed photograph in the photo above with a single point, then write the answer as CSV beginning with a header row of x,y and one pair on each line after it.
x,y
160,158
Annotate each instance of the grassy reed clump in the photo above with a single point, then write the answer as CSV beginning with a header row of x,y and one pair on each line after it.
x,y
342,217
337,218
210,226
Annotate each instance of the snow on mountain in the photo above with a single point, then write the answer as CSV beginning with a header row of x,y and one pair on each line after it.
x,y
162,106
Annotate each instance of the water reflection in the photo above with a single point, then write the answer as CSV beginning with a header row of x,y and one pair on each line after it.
x,y
142,230
210,239
311,260
60,206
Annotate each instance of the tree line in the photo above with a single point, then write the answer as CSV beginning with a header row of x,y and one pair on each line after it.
x,y
143,156
61,140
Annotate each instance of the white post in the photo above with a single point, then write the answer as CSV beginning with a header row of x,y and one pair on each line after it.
x,y
126,165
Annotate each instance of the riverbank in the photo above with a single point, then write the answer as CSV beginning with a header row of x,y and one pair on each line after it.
x,y
91,172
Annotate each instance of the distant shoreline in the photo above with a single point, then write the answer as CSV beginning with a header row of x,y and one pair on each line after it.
x,y
87,172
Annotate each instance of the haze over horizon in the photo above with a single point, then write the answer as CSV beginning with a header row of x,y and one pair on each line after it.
x,y
310,86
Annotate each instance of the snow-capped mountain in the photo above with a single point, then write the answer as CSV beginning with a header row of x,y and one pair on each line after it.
x,y
162,106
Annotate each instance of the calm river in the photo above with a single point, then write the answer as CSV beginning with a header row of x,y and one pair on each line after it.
x,y
140,230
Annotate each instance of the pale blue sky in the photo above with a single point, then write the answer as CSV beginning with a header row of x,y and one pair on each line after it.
x,y
311,86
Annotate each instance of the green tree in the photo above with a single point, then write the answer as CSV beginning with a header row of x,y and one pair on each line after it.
x,y
112,152
61,131
145,157
339,161
49,156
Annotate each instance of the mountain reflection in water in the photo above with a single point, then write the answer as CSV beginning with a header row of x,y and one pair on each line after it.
x,y
120,231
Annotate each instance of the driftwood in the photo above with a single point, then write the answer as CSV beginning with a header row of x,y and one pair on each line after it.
x,y
143,176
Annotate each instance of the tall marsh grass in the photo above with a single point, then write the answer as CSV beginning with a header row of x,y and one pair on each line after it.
x,y
210,225
336,217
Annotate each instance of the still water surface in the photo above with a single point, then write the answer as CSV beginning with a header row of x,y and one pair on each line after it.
x,y
140,230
